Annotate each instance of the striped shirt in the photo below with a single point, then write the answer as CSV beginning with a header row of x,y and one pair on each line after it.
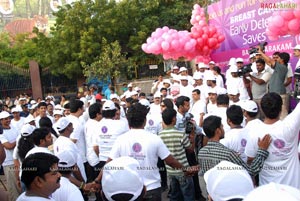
x,y
176,141
214,152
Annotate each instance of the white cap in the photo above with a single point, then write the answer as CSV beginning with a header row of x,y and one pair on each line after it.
x,y
58,107
21,99
232,91
122,103
29,119
62,123
67,158
239,60
222,91
129,85
157,95
33,106
182,69
210,76
48,97
32,102
112,96
212,91
232,61
233,69
198,76
167,81
227,181
122,175
249,106
108,105
183,77
297,47
274,192
252,55
4,115
176,78
137,89
175,67
211,62
17,109
144,102
27,130
202,65
134,93
58,112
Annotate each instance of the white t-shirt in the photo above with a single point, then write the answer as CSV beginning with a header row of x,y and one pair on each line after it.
x,y
153,123
219,81
66,144
109,131
67,191
298,64
18,124
37,149
196,109
92,128
238,83
236,140
155,109
78,134
37,120
24,197
145,148
211,107
186,91
9,135
220,112
282,165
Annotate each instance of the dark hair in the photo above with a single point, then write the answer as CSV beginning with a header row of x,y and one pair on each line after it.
x,y
47,123
75,105
123,196
168,115
235,114
39,134
142,94
197,91
129,100
25,144
210,125
163,88
217,69
168,103
285,57
136,115
67,106
271,104
94,109
223,99
276,53
42,104
109,113
118,106
251,114
36,165
261,61
181,99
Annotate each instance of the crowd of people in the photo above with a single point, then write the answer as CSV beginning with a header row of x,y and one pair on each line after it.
x,y
201,137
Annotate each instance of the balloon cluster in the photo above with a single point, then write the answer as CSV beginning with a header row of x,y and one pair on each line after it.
x,y
196,44
282,23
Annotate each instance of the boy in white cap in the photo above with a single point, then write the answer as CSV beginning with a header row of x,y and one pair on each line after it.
x,y
17,121
122,180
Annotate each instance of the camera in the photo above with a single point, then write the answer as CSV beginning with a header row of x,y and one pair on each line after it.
x,y
297,83
190,125
244,70
254,49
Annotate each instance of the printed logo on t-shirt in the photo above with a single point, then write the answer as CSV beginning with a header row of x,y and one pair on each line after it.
x,y
151,122
243,142
104,129
279,143
137,147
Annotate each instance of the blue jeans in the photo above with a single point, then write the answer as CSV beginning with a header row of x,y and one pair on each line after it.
x,y
182,188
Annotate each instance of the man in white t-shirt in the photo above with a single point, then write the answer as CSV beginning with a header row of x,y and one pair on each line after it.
x,y
109,130
282,165
42,139
17,121
40,176
296,53
145,148
198,106
235,138
67,190
8,140
77,136
42,110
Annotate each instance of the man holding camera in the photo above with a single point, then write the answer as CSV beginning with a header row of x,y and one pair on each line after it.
x,y
276,83
259,81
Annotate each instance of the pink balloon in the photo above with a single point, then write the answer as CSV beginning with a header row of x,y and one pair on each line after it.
x,y
297,13
279,20
273,38
287,15
175,44
202,22
294,25
221,38
144,47
165,46
149,40
212,42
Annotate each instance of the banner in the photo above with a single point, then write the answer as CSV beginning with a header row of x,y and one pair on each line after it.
x,y
244,24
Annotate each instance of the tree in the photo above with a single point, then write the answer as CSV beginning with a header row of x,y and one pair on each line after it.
x,y
110,63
